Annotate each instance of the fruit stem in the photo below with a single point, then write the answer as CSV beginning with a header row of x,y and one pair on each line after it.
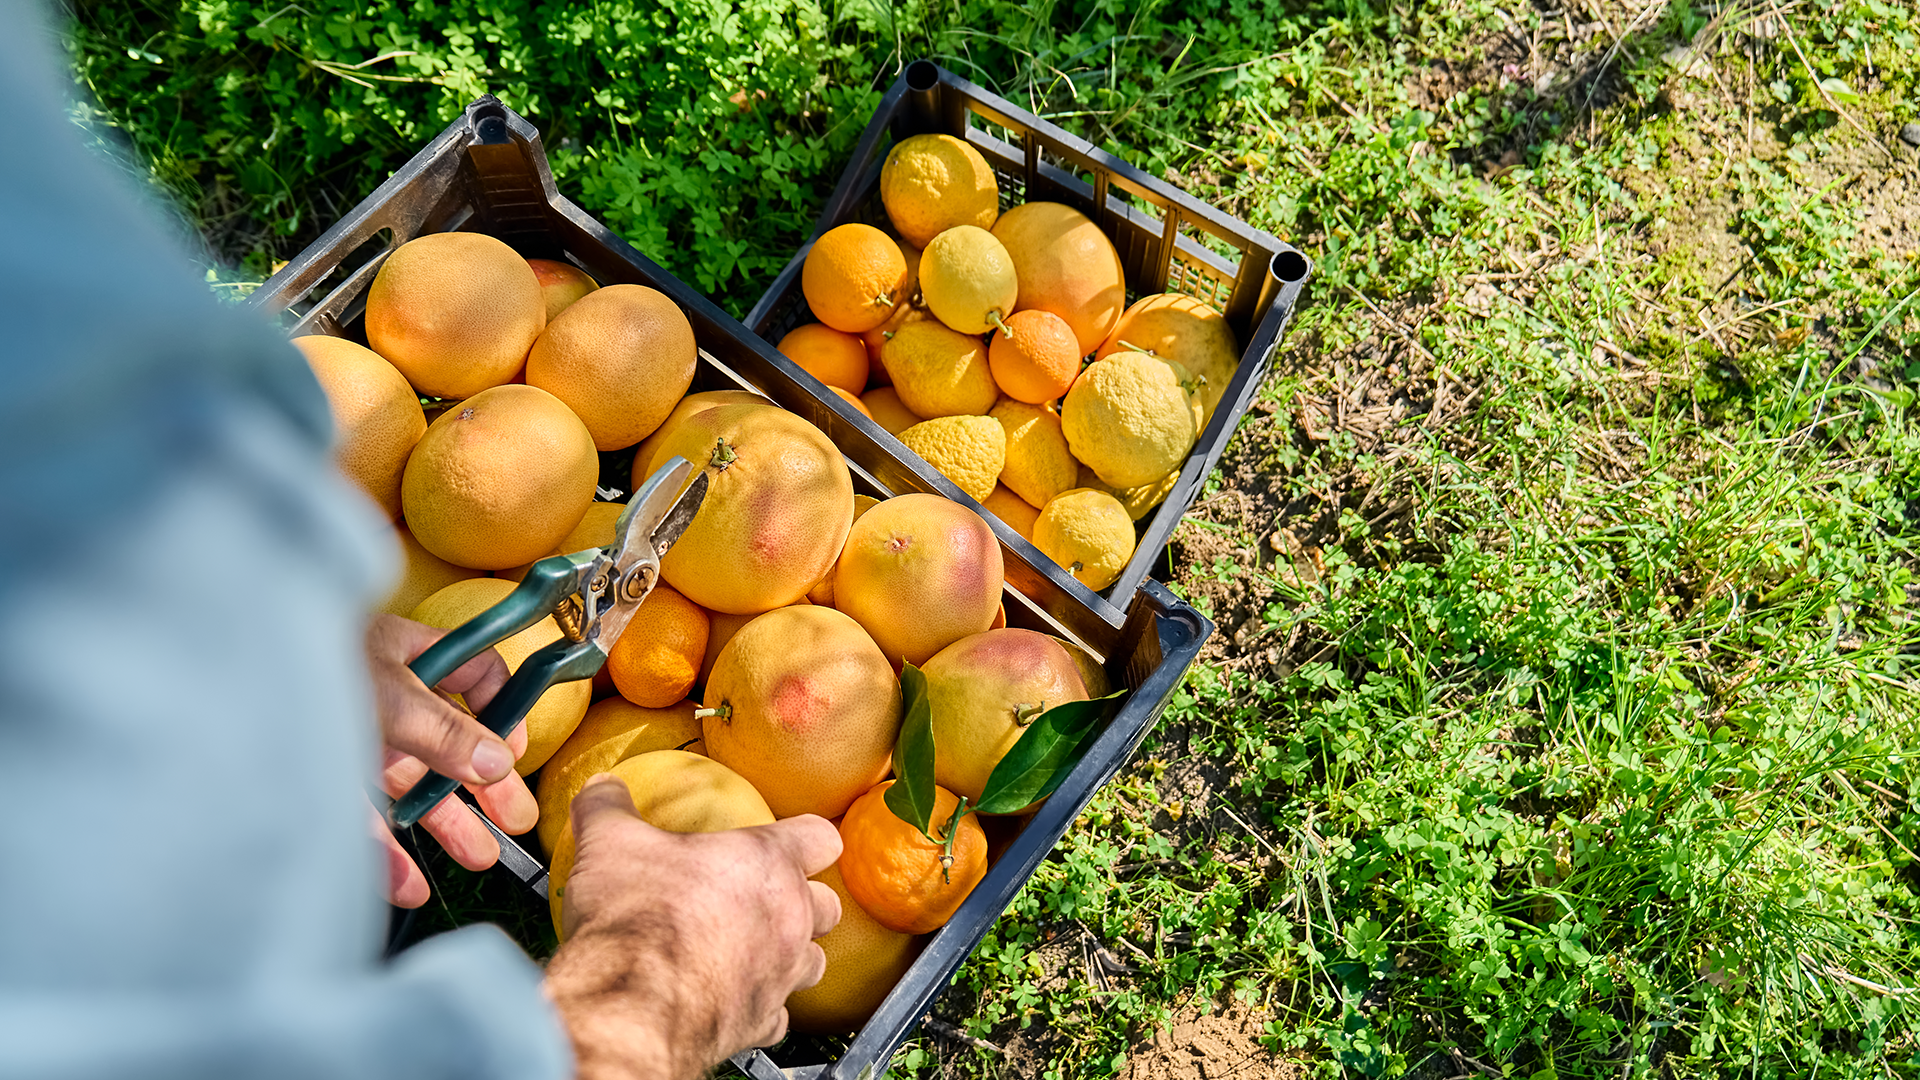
x,y
885,299
723,455
1024,714
994,318
1076,567
724,712
1125,344
946,846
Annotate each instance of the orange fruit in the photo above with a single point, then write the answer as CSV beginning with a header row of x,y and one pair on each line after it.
x,y
805,707
858,405
853,277
1065,265
621,358
1013,510
884,405
673,790
455,312
905,880
422,573
559,710
657,658
376,415
561,283
864,962
835,358
930,183
721,626
778,503
919,573
983,691
613,730
500,479
1038,362
692,403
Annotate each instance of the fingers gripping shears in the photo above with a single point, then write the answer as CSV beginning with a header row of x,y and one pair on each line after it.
x,y
591,594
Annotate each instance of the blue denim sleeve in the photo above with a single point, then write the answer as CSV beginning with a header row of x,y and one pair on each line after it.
x,y
189,887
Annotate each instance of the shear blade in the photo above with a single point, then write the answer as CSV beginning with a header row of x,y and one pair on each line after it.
x,y
680,516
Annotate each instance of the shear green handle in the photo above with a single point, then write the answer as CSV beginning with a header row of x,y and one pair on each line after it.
x,y
547,583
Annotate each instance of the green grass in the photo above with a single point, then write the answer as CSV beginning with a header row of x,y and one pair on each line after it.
x,y
1568,729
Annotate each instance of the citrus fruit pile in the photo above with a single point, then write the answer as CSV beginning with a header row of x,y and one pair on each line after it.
x,y
761,678
966,335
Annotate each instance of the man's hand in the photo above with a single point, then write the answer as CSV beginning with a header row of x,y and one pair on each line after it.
x,y
682,949
425,729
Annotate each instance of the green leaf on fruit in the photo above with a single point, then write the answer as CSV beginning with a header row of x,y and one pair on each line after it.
x,y
911,796
1046,752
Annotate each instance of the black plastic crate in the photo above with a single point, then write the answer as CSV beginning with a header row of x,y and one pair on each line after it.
x,y
1158,230
488,173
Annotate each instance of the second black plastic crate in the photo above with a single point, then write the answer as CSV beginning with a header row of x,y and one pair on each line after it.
x,y
1161,233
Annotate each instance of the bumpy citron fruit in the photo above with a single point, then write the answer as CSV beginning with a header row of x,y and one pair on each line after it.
x,y
621,358
876,340
1140,500
1066,265
884,405
657,658
643,466
376,415
558,711
1012,509
673,790
1183,331
983,691
931,183
779,498
1129,419
967,280
500,479
834,357
802,703
864,961
1039,465
919,572
1088,533
938,371
968,450
455,312
561,283
908,881
853,277
613,730
1038,357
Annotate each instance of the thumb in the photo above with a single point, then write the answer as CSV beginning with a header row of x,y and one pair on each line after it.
x,y
604,797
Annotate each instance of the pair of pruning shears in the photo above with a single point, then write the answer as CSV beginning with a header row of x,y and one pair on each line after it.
x,y
592,594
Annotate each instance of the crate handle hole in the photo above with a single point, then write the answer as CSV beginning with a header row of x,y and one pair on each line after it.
x,y
1290,266
922,76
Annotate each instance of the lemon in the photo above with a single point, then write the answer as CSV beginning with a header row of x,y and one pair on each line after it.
x,y
1039,465
968,450
1088,533
939,372
930,183
1128,418
967,280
